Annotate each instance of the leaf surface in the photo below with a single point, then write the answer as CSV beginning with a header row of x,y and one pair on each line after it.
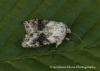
x,y
85,15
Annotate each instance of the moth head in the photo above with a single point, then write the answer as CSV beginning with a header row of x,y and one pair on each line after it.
x,y
68,30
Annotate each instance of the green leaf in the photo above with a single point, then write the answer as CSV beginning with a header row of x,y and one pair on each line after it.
x,y
85,15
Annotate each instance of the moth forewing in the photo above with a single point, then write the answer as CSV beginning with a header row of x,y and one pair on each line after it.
x,y
44,32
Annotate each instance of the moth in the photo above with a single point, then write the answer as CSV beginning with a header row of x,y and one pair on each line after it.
x,y
44,32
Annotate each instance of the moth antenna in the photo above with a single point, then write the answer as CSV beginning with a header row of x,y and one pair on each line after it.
x,y
78,38
72,22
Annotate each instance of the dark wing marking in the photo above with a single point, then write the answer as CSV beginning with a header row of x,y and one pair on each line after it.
x,y
41,25
42,39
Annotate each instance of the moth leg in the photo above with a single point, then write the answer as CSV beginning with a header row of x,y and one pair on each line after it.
x,y
67,39
55,49
70,39
54,52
